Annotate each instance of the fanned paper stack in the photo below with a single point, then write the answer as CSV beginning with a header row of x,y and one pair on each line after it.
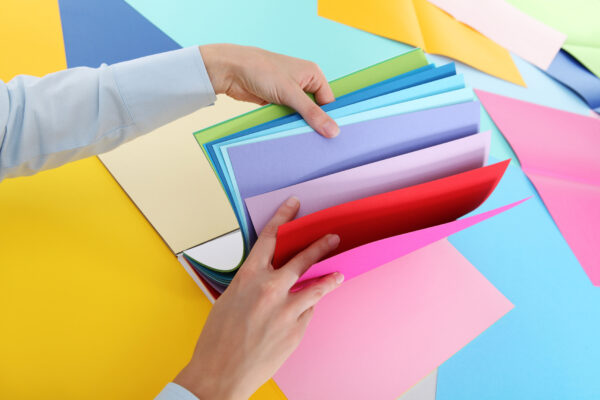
x,y
408,165
409,157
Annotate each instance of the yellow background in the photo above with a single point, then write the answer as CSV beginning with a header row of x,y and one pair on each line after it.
x,y
93,305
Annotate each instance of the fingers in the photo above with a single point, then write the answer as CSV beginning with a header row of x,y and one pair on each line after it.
x,y
324,94
305,318
319,86
311,112
307,257
265,245
309,296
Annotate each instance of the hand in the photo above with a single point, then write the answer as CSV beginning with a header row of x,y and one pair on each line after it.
x,y
257,322
259,76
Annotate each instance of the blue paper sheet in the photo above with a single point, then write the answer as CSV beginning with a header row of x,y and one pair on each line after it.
x,y
547,346
411,78
571,73
108,31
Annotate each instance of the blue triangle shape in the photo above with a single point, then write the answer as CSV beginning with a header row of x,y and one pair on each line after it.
x,y
108,31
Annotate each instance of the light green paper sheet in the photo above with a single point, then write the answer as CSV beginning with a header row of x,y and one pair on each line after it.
x,y
578,19
376,73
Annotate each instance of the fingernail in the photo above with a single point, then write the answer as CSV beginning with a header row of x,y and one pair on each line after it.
x,y
339,277
330,129
292,201
333,240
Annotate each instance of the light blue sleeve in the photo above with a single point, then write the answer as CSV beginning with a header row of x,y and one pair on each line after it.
x,y
72,114
175,392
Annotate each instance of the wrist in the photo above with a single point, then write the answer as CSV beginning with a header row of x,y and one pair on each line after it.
x,y
204,385
218,66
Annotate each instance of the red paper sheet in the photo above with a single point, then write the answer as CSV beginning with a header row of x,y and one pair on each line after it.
x,y
392,213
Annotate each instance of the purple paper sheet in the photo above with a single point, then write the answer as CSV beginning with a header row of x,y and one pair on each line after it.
x,y
382,176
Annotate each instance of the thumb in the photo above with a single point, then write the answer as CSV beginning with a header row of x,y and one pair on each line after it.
x,y
311,112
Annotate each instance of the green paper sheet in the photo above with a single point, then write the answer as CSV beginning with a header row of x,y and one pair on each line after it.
x,y
376,73
578,19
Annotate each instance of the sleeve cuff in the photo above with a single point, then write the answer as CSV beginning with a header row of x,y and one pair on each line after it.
x,y
175,392
160,88
4,110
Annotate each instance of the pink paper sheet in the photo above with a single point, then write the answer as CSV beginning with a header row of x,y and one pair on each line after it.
x,y
379,334
362,259
509,27
560,152
379,177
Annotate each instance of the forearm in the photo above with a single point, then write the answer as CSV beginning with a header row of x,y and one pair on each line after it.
x,y
46,122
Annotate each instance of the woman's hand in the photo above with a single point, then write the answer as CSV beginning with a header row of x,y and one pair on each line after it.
x,y
257,323
259,76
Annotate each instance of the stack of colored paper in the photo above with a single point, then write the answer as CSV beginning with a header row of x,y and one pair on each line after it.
x,y
408,162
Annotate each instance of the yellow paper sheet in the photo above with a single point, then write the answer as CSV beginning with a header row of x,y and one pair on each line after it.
x,y
89,293
39,32
170,180
421,24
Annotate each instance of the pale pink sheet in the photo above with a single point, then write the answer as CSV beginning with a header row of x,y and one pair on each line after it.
x,y
560,152
509,27
379,334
